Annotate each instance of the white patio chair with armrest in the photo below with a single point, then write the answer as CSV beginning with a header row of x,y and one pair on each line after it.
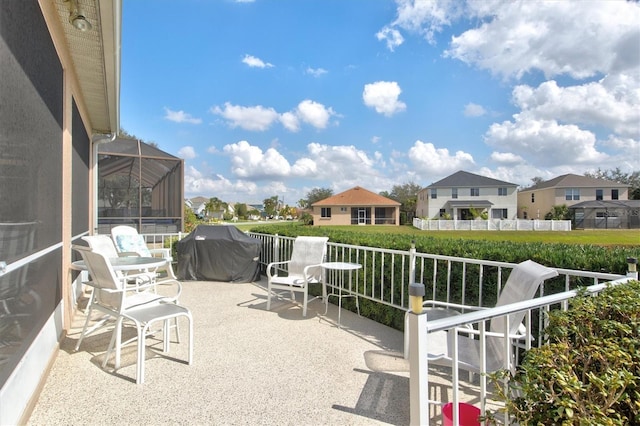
x,y
522,285
302,269
113,298
143,284
127,239
104,244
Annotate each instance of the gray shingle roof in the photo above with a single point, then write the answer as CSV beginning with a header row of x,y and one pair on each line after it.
x,y
466,179
576,181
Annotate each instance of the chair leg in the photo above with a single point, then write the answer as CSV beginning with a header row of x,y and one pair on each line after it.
x,y
269,296
142,333
166,334
304,302
115,343
86,323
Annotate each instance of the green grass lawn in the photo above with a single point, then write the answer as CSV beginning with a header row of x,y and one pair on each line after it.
x,y
604,237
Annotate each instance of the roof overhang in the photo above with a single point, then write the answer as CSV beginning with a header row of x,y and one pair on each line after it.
x,y
469,204
95,58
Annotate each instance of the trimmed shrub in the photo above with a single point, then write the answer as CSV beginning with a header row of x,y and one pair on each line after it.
x,y
588,372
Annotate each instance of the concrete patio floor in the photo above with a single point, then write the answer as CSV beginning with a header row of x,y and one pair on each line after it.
x,y
251,366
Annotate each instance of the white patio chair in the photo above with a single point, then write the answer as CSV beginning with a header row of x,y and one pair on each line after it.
x,y
301,270
143,282
128,240
113,298
522,284
103,244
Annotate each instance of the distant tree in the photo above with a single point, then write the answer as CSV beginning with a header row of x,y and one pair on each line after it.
x,y
215,205
407,195
241,210
616,175
190,219
253,212
561,212
536,180
119,191
126,135
270,205
313,196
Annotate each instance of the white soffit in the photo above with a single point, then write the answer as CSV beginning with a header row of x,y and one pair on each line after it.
x,y
96,58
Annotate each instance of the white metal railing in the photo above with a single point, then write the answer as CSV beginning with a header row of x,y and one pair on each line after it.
x,y
420,330
491,225
386,273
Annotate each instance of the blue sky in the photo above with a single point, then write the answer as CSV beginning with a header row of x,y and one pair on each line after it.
x,y
277,97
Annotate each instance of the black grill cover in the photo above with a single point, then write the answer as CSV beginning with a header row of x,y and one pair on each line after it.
x,y
218,253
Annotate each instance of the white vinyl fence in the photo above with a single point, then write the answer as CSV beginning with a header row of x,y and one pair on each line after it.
x,y
492,225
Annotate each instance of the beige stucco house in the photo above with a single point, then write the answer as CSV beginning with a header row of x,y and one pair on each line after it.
x,y
535,202
456,195
356,206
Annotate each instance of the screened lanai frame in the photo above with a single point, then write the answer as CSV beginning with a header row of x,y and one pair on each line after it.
x,y
139,185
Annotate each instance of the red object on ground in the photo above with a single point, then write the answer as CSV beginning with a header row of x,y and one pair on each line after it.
x,y
467,414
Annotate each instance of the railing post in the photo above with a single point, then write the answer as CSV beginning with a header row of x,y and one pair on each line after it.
x,y
412,262
632,269
418,361
276,248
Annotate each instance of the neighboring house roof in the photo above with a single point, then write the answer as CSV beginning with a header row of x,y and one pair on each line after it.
x,y
462,178
198,200
357,196
575,181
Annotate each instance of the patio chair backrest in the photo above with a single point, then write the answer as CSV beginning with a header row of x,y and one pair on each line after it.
x,y
522,285
127,239
103,277
101,244
308,251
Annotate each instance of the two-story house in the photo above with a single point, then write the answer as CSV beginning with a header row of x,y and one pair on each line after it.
x,y
535,202
463,194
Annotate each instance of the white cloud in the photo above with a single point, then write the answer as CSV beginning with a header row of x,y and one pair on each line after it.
x,y
314,113
545,141
383,97
255,118
290,121
180,117
187,153
316,72
506,158
578,38
613,102
254,62
429,160
346,165
426,17
474,110
250,161
196,184
391,36
259,118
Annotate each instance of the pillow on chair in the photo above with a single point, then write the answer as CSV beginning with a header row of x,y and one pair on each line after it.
x,y
133,243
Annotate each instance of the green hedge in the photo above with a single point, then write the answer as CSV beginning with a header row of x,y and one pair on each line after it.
x,y
588,373
568,256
